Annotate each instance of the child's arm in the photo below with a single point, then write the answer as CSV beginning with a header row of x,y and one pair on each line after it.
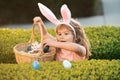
x,y
81,50
39,22
42,29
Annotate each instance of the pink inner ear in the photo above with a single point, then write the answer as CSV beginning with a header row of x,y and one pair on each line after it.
x,y
48,14
66,14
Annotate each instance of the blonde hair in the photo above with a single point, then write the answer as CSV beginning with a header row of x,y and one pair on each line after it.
x,y
80,35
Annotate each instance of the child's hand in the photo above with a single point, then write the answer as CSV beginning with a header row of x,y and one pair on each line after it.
x,y
36,20
49,42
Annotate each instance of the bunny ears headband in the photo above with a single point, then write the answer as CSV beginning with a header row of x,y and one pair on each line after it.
x,y
65,12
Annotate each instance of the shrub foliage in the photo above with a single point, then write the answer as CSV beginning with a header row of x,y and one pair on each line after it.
x,y
81,70
105,42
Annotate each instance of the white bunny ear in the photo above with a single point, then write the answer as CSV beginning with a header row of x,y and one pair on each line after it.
x,y
48,14
66,14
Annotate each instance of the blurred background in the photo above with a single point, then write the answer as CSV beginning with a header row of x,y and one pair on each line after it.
x,y
20,13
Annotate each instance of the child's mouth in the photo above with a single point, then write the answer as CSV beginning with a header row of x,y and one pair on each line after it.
x,y
63,41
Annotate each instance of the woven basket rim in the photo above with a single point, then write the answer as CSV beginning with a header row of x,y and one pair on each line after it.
x,y
28,57
27,54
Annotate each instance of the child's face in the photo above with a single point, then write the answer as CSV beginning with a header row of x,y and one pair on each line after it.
x,y
64,35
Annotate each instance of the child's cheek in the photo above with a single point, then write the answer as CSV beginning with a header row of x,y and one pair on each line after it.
x,y
58,39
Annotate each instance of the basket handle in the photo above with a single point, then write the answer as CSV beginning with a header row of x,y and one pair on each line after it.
x,y
41,30
32,34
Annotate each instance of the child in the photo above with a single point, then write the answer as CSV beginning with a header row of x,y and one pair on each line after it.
x,y
71,42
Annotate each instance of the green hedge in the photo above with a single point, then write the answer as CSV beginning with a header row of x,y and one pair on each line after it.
x,y
105,42
81,70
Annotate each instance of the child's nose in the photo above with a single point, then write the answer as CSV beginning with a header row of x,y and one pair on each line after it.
x,y
62,36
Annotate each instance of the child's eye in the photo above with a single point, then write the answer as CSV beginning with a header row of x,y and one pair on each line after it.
x,y
66,33
59,34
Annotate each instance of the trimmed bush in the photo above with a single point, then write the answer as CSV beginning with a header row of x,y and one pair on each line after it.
x,y
105,42
81,70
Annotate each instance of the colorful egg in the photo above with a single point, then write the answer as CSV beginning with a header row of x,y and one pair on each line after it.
x,y
67,64
36,65
22,51
29,48
46,49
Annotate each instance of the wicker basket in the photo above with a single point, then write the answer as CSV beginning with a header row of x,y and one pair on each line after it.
x,y
28,58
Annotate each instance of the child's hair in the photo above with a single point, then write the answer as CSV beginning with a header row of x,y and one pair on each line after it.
x,y
80,35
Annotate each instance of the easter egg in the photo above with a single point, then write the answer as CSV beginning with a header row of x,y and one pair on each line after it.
x,y
22,51
29,48
67,64
46,49
36,65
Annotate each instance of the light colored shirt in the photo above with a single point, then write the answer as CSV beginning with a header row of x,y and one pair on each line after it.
x,y
68,55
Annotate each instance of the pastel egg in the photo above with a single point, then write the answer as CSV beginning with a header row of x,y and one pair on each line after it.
x,y
36,65
67,64
22,51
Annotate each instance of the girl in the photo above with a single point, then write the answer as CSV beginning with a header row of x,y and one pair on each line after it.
x,y
71,42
